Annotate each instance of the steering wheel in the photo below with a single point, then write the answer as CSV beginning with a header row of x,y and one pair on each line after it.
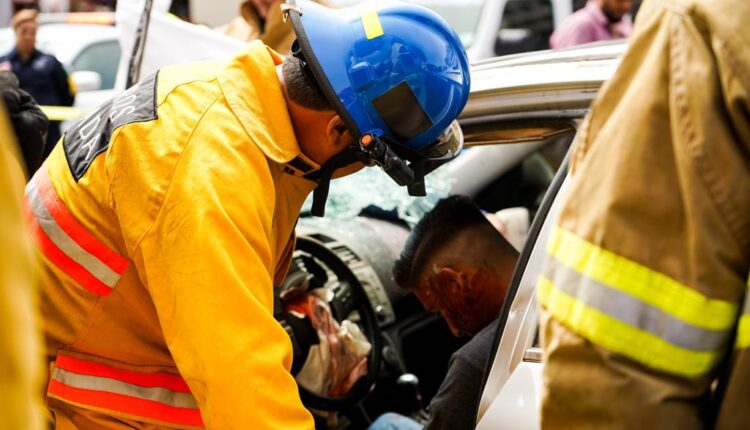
x,y
349,296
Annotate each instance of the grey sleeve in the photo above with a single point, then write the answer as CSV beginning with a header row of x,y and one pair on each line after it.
x,y
455,404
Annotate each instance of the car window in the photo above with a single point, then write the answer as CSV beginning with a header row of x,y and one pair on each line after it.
x,y
526,26
103,58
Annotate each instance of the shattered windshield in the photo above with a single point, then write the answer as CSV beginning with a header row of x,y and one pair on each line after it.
x,y
371,188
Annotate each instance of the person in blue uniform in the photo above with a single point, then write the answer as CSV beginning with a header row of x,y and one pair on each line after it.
x,y
39,74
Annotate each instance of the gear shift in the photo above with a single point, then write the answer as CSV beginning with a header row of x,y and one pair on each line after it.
x,y
407,387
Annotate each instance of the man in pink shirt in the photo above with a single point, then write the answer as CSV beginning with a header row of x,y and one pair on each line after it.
x,y
598,20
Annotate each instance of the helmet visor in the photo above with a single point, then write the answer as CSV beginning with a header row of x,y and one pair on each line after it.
x,y
449,144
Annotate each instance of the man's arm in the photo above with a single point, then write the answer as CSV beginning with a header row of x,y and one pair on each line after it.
x,y
455,404
208,265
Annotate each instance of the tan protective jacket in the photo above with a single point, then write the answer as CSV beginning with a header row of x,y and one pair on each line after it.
x,y
645,287
162,220
20,337
273,31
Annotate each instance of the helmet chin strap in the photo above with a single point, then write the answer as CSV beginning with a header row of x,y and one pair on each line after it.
x,y
323,176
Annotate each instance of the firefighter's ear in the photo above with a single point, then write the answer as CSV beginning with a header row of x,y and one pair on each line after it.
x,y
338,134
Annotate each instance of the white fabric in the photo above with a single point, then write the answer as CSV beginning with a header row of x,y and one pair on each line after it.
x,y
513,224
169,41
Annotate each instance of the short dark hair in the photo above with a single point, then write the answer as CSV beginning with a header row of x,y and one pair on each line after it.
x,y
435,230
302,87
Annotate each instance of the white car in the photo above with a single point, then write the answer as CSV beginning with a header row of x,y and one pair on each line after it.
x,y
523,113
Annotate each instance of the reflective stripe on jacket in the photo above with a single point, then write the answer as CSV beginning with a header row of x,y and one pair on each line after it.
x,y
162,221
644,289
160,396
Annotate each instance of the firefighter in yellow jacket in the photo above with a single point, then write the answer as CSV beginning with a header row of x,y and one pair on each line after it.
x,y
645,287
167,215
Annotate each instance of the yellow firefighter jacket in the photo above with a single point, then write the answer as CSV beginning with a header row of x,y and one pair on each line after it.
x,y
20,339
162,220
645,287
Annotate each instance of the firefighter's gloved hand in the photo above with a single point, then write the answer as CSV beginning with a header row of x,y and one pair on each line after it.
x,y
340,358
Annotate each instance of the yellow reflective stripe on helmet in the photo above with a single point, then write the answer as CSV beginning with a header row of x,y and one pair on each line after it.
x,y
648,286
371,22
622,338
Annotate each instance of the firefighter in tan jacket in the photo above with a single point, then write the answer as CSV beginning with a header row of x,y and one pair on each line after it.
x,y
165,217
644,291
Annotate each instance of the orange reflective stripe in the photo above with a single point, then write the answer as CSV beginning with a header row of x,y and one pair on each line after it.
x,y
158,379
158,396
61,260
67,243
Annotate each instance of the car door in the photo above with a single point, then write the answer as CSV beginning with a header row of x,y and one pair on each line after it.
x,y
512,390
529,98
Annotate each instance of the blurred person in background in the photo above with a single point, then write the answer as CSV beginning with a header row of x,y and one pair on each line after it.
x,y
40,74
598,20
262,19
21,368
29,122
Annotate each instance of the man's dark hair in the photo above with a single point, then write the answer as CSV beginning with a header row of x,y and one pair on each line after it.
x,y
302,87
435,230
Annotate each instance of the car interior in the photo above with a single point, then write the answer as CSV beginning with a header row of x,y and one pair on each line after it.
x,y
356,256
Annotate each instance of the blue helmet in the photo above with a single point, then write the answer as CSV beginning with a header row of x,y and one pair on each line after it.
x,y
397,75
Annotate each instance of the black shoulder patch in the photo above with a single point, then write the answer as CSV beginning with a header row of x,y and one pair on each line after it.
x,y
90,136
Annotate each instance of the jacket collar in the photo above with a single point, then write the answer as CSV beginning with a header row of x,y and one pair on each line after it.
x,y
254,94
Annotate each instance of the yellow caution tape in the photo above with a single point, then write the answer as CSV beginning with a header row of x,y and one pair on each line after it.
x,y
371,22
64,113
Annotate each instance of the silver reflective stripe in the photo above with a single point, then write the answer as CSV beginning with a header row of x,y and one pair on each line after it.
x,y
628,309
746,308
62,240
109,385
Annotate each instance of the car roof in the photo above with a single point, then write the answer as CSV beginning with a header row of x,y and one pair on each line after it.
x,y
561,80
63,40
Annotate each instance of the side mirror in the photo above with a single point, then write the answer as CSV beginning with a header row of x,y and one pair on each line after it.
x,y
86,80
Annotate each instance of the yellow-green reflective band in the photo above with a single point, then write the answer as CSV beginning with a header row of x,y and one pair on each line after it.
x,y
644,284
743,326
629,310
743,333
622,338
371,22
